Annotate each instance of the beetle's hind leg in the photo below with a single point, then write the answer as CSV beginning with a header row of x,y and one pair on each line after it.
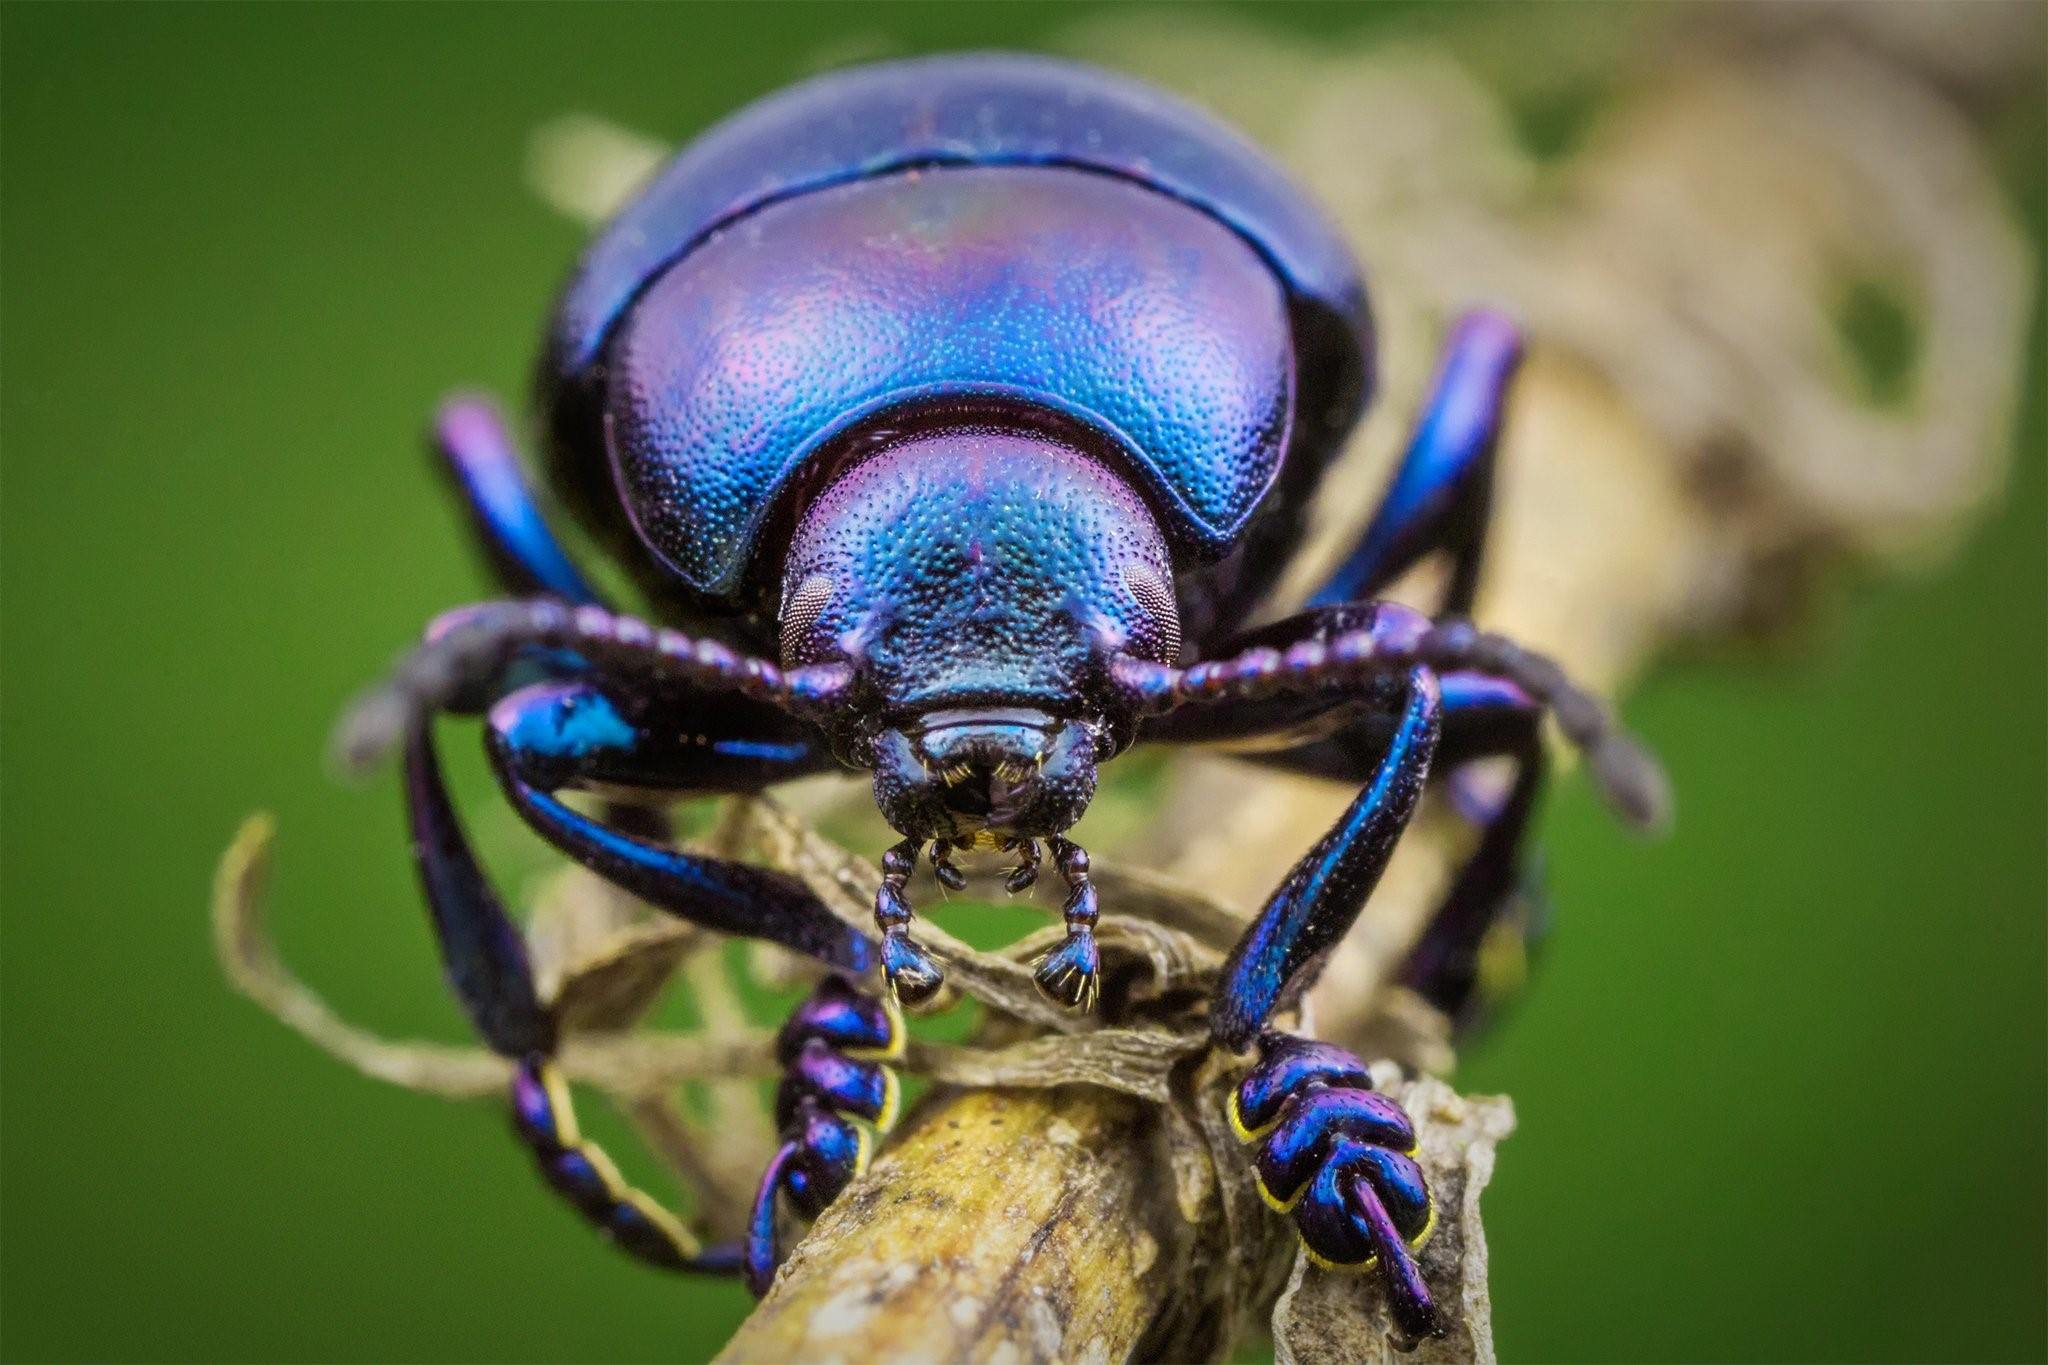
x,y
1474,949
486,963
477,453
1440,497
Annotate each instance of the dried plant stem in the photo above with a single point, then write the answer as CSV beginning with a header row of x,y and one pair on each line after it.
x,y
1061,1252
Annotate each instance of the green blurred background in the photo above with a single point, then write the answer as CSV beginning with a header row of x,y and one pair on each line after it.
x,y
1781,1079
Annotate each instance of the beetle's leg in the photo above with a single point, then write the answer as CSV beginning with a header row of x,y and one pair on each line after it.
x,y
551,736
1070,971
1477,941
1321,897
1367,1201
1304,686
478,455
1338,1157
486,963
467,651
836,1090
1333,1154
1440,496
1352,671
1342,734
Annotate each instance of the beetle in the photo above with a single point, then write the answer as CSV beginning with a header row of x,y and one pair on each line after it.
x,y
956,416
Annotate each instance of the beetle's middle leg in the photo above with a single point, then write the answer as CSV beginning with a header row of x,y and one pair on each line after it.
x,y
486,963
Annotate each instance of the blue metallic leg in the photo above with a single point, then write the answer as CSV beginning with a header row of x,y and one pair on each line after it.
x,y
551,736
1491,904
486,963
837,1092
476,453
1338,1158
1475,947
1440,496
524,555
1322,896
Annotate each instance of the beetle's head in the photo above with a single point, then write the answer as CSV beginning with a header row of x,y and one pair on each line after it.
x,y
979,579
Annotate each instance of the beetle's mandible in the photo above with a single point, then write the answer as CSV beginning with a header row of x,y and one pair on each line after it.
x,y
955,417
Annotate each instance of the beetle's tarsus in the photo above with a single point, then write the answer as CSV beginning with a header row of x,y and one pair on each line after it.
x,y
1409,1302
1337,1157
837,1092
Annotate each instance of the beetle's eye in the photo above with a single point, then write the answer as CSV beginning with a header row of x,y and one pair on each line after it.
x,y
1155,595
800,611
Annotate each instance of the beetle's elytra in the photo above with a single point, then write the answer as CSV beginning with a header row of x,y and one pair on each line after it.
x,y
955,416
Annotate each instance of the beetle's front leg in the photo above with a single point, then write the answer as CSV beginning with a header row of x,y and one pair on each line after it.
x,y
1321,897
837,1091
1344,673
551,736
556,735
1357,1201
1338,1158
1334,1155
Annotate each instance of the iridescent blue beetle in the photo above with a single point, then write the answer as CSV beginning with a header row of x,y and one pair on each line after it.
x,y
955,416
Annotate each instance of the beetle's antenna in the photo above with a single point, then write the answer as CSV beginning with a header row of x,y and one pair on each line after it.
x,y
467,649
1630,778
